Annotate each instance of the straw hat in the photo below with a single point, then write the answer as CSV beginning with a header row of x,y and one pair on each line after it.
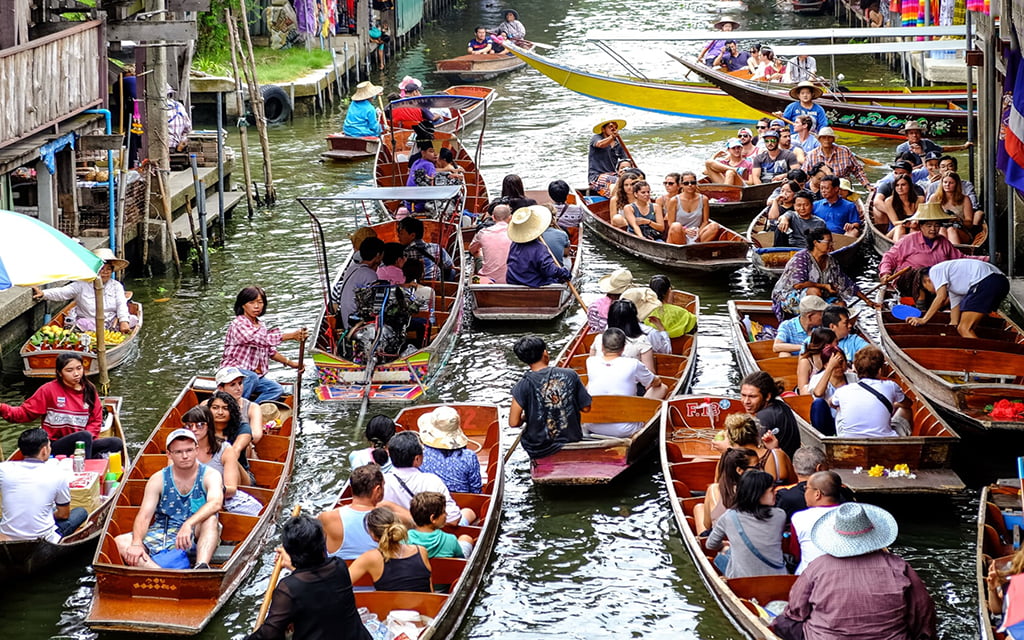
x,y
360,234
272,410
366,90
930,212
528,223
724,21
599,127
854,529
816,91
851,193
441,429
827,132
106,255
617,281
644,298
911,125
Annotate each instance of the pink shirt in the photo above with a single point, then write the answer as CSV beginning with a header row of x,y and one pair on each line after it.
x,y
494,243
912,251
391,273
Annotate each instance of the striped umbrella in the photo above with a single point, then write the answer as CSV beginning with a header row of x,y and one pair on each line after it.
x,y
34,253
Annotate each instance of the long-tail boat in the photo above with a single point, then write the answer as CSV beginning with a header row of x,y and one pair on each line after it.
x,y
728,251
176,601
772,260
688,425
928,451
477,67
39,360
518,302
447,610
999,523
600,460
964,377
398,377
727,200
29,557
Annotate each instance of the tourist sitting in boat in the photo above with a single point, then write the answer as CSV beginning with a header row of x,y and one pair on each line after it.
x,y
781,206
786,144
872,14
973,288
672,188
612,374
839,160
623,195
410,87
1003,587
410,233
70,409
837,318
567,216
794,332
345,526
530,261
753,526
178,511
613,285
773,163
447,171
622,316
393,565
966,219
422,171
481,43
606,150
930,174
729,167
811,361
914,131
688,214
847,192
840,215
763,124
759,394
892,600
824,492
605,185
446,453
491,244
805,93
362,119
511,28
721,494
645,302
806,462
873,408
902,204
768,69
427,510
557,241
83,292
640,216
948,164
746,138
378,432
218,454
814,271
425,296
407,479
343,295
713,49
675,320
392,259
731,57
823,385
884,188
315,600
513,194
546,401
35,495
803,137
801,68
741,432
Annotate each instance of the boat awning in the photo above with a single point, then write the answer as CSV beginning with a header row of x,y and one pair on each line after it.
x,y
440,101
789,34
869,47
396,193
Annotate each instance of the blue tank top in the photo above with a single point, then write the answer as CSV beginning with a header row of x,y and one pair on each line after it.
x,y
357,541
174,507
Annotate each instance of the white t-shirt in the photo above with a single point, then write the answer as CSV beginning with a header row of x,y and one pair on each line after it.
x,y
418,481
617,377
851,378
861,414
959,276
30,489
803,522
635,347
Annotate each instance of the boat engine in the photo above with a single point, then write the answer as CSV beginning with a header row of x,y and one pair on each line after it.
x,y
360,341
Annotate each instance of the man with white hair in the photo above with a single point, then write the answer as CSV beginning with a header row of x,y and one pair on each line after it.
x,y
491,245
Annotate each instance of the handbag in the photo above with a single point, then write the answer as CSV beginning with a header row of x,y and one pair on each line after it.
x,y
172,559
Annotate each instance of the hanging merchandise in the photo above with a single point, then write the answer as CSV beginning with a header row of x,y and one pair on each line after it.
x,y
305,17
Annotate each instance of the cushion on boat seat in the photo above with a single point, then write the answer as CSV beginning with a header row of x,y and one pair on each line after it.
x,y
595,441
222,554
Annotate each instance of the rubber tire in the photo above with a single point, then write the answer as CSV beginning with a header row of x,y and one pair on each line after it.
x,y
277,107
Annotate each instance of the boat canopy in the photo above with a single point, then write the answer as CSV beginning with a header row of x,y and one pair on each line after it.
x,y
438,101
446,192
788,34
869,47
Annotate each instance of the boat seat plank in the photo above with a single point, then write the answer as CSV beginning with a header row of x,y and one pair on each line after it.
x,y
697,475
478,502
267,473
621,409
956,342
763,588
273,448
973,361
384,602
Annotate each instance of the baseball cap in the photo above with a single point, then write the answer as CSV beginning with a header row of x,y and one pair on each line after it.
x,y
180,433
745,130
770,133
903,164
227,374
777,123
733,142
812,303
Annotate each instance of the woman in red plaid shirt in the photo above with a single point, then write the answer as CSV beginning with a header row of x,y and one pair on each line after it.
x,y
250,345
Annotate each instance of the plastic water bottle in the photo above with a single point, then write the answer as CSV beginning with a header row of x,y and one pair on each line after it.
x,y
79,461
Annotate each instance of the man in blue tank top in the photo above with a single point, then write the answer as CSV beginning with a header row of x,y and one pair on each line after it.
x,y
345,527
178,510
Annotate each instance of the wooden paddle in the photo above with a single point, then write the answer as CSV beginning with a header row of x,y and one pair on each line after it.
x,y
572,287
298,377
515,443
868,161
626,149
269,595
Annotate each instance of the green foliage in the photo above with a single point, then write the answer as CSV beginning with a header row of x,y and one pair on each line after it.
x,y
272,66
213,29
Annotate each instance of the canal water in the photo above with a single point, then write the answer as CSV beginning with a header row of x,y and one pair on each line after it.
x,y
580,564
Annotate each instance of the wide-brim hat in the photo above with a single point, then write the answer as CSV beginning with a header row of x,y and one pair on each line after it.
x,y
854,529
360,234
441,429
600,126
644,298
851,193
106,255
930,212
272,410
815,89
827,132
528,223
617,281
515,14
912,125
366,90
724,21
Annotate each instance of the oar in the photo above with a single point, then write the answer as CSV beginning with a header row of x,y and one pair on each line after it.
x,y
626,149
297,402
269,595
892,278
515,443
868,161
572,287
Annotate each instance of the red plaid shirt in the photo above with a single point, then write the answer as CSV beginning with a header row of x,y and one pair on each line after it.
x,y
249,346
841,161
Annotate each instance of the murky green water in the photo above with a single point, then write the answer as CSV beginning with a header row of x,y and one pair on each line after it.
x,y
572,565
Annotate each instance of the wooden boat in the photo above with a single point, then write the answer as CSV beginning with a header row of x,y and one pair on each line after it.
x,y
405,378
447,610
772,260
342,148
729,199
882,242
41,362
810,7
928,451
599,460
19,558
999,523
687,425
963,377
727,252
466,103
182,602
864,119
480,67
517,302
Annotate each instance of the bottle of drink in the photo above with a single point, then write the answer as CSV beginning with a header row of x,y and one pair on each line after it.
x,y
79,464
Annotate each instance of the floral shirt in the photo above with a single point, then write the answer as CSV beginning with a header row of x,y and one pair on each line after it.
x,y
460,470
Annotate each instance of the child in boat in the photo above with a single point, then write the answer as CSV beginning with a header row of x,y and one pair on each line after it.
x,y
428,512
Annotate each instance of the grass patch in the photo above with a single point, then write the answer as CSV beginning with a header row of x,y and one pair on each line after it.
x,y
272,66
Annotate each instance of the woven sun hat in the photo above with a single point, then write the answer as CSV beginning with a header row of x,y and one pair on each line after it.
x,y
724,21
847,186
809,304
528,223
273,410
644,298
599,127
854,529
180,433
827,132
366,90
106,255
617,281
815,89
930,212
228,374
912,125
360,234
441,429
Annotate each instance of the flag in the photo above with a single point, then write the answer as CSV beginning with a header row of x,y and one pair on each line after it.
x,y
1010,157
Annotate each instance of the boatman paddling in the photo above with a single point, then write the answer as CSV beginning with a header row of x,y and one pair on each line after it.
x,y
805,93
606,151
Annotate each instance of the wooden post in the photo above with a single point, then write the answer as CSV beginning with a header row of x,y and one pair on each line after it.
x,y
101,343
270,195
144,225
165,199
240,97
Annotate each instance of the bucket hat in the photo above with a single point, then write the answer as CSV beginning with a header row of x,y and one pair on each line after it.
x,y
827,132
912,125
366,90
617,281
600,126
816,91
441,429
851,193
854,529
528,223
106,255
644,298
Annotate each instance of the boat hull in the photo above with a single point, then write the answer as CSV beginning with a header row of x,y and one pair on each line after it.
x,y
342,148
772,261
477,68
41,363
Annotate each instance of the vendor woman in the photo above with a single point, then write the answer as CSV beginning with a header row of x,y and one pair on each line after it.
x,y
83,292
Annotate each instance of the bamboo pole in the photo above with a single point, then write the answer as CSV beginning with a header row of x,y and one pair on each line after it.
x,y
145,218
242,124
101,343
165,199
270,195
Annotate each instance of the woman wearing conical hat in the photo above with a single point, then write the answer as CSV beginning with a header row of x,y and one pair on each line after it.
x,y
115,304
362,119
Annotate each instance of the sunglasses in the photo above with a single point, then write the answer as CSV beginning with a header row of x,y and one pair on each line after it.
x,y
668,183
761,126
688,183
744,135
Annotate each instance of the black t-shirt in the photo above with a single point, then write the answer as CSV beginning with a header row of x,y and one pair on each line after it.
x,y
792,499
777,415
551,400
602,160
